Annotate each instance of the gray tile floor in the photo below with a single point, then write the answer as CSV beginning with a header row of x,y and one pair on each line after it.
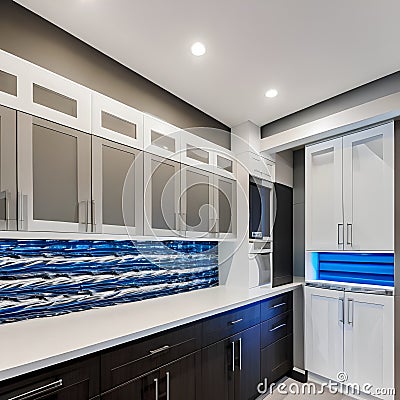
x,y
301,393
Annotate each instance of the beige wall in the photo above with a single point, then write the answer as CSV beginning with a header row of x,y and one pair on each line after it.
x,y
30,37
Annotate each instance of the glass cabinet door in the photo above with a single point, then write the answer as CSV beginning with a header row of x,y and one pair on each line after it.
x,y
197,196
117,172
225,207
8,169
161,194
54,176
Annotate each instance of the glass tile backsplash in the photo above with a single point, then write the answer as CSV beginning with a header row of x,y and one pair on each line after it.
x,y
40,278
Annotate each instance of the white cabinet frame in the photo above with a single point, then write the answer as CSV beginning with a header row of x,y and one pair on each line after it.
x,y
134,176
26,221
119,110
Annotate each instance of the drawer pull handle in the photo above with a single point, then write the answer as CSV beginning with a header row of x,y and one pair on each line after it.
x,y
236,321
279,305
159,350
38,391
277,327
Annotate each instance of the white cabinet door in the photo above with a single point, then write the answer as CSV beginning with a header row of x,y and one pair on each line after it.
x,y
368,180
8,169
224,207
117,188
324,331
197,202
116,121
323,191
369,340
161,196
54,176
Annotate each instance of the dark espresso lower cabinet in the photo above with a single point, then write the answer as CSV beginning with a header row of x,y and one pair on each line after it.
x,y
175,381
231,367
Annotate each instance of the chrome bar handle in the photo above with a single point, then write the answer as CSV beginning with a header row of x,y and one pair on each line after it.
x,y
339,242
38,391
156,388
93,210
20,207
240,354
277,327
349,235
236,321
279,305
350,311
233,356
160,349
167,375
341,310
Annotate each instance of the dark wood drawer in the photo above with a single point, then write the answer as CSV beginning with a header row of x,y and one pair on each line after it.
x,y
276,328
131,360
276,305
78,380
277,359
227,324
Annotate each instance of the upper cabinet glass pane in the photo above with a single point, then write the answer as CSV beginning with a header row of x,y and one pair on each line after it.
x,y
117,124
197,154
56,101
163,141
224,163
55,175
8,83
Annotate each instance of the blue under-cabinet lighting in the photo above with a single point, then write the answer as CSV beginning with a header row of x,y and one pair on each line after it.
x,y
360,268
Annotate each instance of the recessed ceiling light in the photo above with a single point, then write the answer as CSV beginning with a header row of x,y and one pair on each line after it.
x,y
198,49
271,93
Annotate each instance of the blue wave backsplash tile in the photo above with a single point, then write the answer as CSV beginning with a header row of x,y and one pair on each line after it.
x,y
40,278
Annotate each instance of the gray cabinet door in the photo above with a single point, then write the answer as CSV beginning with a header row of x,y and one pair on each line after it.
x,y
197,202
117,172
8,169
54,176
225,207
161,194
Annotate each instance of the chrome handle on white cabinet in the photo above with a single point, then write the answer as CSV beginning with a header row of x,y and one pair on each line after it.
x,y
93,211
156,387
350,312
240,354
38,391
340,241
167,375
341,310
233,356
349,236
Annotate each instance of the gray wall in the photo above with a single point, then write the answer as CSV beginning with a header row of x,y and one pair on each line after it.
x,y
363,94
298,212
29,36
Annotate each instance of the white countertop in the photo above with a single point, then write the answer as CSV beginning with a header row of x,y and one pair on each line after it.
x,y
30,345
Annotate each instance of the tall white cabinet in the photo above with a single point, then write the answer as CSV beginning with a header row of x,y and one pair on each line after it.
x,y
351,333
349,192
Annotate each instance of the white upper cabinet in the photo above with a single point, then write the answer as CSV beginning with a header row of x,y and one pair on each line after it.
x,y
116,121
117,188
197,151
369,340
368,188
323,193
161,138
350,192
54,176
34,90
8,169
261,167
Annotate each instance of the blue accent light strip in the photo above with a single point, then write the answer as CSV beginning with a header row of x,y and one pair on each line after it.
x,y
361,268
41,278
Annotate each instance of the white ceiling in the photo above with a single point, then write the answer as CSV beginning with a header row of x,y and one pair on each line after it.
x,y
308,50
